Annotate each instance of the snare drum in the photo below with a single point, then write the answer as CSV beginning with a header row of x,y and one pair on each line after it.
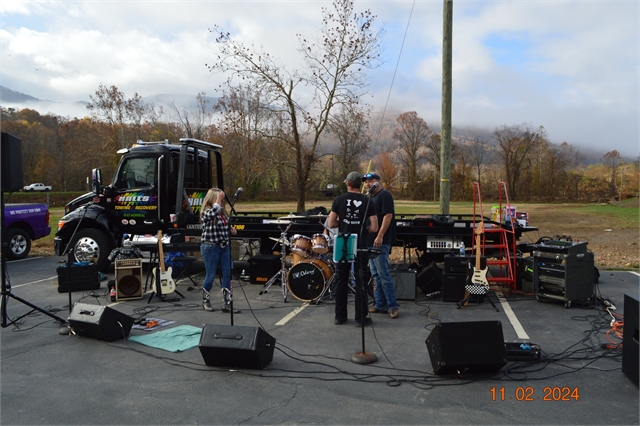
x,y
307,279
301,245
320,244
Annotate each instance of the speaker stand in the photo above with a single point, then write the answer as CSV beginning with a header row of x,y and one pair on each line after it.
x,y
6,289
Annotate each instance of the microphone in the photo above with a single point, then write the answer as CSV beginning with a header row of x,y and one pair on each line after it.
x,y
235,196
373,188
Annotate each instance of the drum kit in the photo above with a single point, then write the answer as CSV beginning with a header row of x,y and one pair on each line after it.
x,y
312,270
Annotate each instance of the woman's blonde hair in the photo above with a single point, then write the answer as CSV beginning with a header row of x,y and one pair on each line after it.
x,y
210,200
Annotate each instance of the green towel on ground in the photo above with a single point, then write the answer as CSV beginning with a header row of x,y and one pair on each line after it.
x,y
175,339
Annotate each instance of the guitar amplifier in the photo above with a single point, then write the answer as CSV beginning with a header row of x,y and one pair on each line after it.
x,y
262,267
404,284
128,279
78,277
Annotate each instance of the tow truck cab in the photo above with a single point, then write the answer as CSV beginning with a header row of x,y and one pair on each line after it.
x,y
157,186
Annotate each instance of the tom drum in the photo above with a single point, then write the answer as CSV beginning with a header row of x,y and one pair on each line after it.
x,y
320,244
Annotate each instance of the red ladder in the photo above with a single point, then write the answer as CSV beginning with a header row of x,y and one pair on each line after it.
x,y
505,260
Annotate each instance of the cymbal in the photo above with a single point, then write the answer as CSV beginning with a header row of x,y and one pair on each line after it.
x,y
280,240
279,221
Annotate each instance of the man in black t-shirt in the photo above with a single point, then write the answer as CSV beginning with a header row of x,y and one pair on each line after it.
x,y
385,295
352,213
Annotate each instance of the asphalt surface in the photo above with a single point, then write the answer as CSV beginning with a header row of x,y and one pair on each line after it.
x,y
52,378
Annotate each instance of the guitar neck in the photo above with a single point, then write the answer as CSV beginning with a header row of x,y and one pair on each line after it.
x,y
478,232
160,252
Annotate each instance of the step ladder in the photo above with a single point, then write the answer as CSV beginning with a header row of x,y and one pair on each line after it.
x,y
503,276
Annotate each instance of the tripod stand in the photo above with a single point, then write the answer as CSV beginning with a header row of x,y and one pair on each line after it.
x,y
282,273
6,288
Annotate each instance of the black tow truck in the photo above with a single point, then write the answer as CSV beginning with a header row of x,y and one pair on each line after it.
x,y
158,186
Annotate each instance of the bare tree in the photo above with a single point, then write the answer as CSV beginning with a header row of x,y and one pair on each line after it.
x,y
480,155
350,127
125,116
333,71
612,161
411,136
196,121
515,145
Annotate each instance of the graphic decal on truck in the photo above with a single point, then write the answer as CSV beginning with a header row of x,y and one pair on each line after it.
x,y
134,204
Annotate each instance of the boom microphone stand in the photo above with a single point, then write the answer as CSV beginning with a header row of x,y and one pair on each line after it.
x,y
6,289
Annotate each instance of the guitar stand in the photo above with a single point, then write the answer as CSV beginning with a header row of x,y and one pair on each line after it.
x,y
464,301
154,290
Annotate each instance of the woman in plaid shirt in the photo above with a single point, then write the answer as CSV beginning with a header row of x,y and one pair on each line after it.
x,y
216,232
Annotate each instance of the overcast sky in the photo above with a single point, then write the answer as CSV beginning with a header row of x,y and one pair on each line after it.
x,y
570,66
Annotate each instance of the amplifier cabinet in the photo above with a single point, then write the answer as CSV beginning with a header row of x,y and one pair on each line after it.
x,y
456,264
78,277
128,279
453,287
404,283
262,267
563,277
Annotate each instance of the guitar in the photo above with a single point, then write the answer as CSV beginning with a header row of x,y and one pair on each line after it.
x,y
479,276
162,278
477,282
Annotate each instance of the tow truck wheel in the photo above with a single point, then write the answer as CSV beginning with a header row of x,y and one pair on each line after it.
x,y
19,244
90,245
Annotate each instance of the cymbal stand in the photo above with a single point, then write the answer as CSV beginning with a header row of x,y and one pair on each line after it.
x,y
282,273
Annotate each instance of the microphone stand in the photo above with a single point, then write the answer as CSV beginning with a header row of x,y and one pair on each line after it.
x,y
235,198
363,357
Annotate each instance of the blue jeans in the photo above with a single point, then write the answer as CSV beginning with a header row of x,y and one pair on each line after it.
x,y
385,294
215,256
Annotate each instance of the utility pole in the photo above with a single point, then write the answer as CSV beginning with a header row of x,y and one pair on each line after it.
x,y
445,147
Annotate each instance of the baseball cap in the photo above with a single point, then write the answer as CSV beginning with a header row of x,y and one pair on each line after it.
x,y
354,177
368,176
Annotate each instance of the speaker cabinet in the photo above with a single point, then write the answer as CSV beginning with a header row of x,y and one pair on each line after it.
x,y
99,322
404,283
453,287
263,267
11,150
467,347
78,277
236,346
429,280
128,279
630,350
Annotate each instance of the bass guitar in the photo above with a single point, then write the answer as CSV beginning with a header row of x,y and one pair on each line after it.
x,y
162,277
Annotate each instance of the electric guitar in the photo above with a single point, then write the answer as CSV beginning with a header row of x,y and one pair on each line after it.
x,y
477,282
162,278
479,276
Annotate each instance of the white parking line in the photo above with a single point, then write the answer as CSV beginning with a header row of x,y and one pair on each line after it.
x,y
35,282
513,319
292,314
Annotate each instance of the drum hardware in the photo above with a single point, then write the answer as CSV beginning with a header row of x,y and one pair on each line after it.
x,y
282,273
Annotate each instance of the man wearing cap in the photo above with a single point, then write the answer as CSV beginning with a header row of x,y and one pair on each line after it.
x,y
352,213
385,295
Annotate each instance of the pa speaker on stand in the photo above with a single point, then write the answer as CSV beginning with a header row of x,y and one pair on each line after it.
x,y
12,176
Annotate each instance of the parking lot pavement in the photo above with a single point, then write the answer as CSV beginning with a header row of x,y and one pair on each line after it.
x,y
49,378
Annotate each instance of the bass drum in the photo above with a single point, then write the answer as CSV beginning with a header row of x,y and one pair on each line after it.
x,y
307,279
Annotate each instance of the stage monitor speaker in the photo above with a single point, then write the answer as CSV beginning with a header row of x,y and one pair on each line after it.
x,y
99,322
467,347
12,177
630,349
128,279
429,280
236,346
404,283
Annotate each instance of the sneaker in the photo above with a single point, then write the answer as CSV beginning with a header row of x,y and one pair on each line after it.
x,y
226,309
394,313
374,310
206,305
339,321
367,321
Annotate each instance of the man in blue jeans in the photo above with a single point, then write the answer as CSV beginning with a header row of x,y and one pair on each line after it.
x,y
385,295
